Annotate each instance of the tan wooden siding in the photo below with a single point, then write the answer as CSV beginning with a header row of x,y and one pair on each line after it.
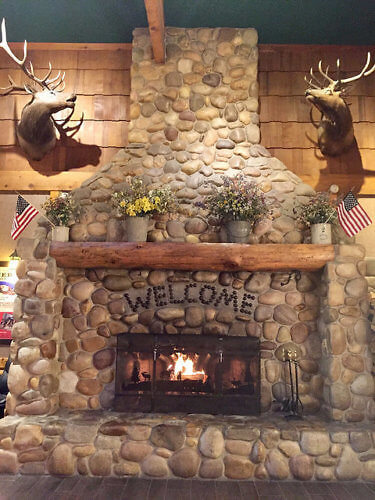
x,y
297,109
100,76
285,114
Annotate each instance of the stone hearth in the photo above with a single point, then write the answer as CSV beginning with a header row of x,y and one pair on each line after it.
x,y
158,446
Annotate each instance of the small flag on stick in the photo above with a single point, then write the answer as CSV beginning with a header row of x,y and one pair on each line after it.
x,y
352,216
24,214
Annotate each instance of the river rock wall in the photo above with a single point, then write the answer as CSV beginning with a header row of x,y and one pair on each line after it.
x,y
193,119
101,304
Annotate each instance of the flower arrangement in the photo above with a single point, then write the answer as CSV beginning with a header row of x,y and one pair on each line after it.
x,y
318,210
61,210
138,200
237,199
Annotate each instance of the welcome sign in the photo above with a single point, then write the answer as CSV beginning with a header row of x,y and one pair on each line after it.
x,y
187,294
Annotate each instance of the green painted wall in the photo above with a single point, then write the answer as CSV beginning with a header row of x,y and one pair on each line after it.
x,y
277,21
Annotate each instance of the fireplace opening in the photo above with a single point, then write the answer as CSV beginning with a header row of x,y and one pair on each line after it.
x,y
187,373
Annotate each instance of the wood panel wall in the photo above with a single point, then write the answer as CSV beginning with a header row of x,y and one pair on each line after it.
x,y
99,75
285,120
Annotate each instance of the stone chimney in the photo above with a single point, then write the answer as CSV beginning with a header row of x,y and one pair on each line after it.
x,y
193,119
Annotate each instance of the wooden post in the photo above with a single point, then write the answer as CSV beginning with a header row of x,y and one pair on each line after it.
x,y
155,16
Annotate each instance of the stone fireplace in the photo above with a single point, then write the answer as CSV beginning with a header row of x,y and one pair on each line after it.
x,y
99,330
318,313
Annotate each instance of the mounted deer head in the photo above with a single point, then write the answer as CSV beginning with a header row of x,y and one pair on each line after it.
x,y
335,129
36,131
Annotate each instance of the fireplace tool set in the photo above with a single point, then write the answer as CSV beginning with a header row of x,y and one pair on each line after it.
x,y
293,405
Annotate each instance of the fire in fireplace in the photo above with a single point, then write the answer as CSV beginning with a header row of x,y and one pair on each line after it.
x,y
183,368
188,373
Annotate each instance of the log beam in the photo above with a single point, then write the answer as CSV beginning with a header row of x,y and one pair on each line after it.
x,y
155,17
190,256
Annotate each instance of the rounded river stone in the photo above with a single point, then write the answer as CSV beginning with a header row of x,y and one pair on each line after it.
x,y
104,358
171,437
185,463
212,442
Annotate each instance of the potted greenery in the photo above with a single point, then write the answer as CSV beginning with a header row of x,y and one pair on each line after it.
x,y
238,204
318,214
61,210
137,202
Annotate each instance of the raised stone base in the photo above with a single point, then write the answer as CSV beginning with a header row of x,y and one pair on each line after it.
x,y
100,443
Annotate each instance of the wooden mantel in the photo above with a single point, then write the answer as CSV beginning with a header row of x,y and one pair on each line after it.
x,y
192,256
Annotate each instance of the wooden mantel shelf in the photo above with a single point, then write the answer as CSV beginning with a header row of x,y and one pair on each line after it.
x,y
192,256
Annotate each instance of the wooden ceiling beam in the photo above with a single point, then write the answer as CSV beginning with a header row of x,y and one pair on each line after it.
x,y
155,17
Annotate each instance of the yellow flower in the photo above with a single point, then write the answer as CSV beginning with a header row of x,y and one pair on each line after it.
x,y
122,203
143,205
54,194
131,210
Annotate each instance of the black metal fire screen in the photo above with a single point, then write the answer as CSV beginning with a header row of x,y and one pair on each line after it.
x,y
187,373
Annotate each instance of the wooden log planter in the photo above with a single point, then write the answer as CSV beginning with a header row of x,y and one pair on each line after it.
x,y
192,256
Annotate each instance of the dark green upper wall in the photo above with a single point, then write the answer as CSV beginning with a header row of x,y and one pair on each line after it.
x,y
342,22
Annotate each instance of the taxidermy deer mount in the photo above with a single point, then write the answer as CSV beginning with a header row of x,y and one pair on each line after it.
x,y
335,129
36,131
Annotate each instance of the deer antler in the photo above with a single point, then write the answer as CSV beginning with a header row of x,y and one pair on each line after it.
x,y
325,74
44,82
60,81
316,85
12,87
363,71
64,131
5,46
335,84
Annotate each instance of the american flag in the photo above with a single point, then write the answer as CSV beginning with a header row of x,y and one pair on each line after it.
x,y
24,214
352,216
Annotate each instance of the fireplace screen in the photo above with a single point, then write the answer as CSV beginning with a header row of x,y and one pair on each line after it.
x,y
188,373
